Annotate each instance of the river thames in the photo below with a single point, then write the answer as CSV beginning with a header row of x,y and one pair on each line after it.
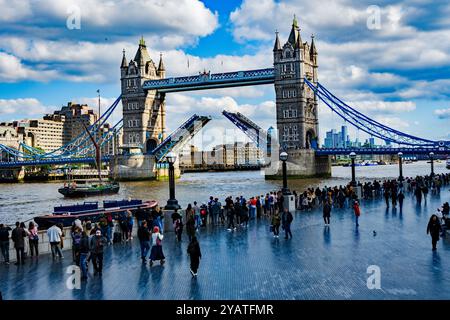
x,y
23,201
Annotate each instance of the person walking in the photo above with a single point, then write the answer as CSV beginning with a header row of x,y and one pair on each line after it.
x,y
394,197
190,227
130,224
54,237
286,219
196,209
18,237
4,242
144,236
401,197
276,221
326,212
195,254
216,206
434,229
76,239
357,211
84,253
418,194
97,245
425,193
386,196
124,226
157,250
33,238
178,227
230,214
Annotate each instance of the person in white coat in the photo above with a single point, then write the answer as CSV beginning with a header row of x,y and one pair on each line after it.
x,y
54,237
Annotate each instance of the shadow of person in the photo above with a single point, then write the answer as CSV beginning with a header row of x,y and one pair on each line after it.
x,y
195,290
436,267
143,275
326,235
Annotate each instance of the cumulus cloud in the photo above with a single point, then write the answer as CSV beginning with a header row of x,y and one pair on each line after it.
x,y
442,113
99,17
12,69
24,106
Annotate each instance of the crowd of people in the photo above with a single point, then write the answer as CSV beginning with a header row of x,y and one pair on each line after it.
x,y
89,238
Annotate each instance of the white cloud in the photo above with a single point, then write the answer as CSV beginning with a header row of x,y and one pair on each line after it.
x,y
14,10
442,113
182,17
24,106
257,20
12,70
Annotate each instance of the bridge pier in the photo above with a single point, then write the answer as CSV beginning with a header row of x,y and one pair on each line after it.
x,y
138,167
12,174
301,163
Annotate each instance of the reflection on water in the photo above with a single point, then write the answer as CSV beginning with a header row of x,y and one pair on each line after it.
x,y
23,201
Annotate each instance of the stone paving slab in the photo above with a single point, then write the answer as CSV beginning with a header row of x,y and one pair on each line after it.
x,y
318,263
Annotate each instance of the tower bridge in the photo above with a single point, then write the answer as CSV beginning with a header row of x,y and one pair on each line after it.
x,y
294,74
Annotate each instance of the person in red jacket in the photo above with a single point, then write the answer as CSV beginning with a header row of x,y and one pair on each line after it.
x,y
357,211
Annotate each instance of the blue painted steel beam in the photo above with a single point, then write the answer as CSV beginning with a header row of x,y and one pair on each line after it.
x,y
18,164
212,81
392,151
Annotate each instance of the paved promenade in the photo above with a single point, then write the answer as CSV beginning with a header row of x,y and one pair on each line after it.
x,y
318,263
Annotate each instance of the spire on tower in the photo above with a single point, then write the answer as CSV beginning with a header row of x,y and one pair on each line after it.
x,y
124,63
161,63
294,36
142,41
313,50
277,45
295,22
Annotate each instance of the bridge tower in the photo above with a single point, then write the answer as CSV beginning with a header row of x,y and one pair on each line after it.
x,y
144,117
143,111
297,105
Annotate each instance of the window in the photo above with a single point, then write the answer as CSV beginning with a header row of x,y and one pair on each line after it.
x,y
294,93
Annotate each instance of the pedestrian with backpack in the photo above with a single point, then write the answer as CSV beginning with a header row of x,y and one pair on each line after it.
x,y
287,219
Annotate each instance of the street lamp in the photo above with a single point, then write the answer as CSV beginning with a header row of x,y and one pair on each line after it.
x,y
172,203
353,157
400,166
283,158
431,154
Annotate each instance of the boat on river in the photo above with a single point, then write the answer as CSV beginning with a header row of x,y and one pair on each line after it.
x,y
67,214
86,188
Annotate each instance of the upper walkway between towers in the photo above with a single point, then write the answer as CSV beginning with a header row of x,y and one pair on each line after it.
x,y
206,80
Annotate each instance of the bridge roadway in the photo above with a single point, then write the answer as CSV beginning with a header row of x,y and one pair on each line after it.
x,y
318,263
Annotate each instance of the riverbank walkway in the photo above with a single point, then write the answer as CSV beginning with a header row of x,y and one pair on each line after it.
x,y
318,263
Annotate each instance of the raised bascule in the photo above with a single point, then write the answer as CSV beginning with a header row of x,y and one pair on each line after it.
x,y
145,142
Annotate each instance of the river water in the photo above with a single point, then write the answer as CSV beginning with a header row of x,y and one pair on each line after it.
x,y
23,201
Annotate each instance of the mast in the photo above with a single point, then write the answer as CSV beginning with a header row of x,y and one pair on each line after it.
x,y
99,146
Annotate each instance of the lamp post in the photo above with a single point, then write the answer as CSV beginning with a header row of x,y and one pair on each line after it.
x,y
400,166
353,157
431,154
172,203
283,158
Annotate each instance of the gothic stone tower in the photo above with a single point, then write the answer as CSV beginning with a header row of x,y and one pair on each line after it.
x,y
297,105
297,118
143,111
143,118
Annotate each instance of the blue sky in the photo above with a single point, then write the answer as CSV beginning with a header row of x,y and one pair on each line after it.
x,y
397,73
